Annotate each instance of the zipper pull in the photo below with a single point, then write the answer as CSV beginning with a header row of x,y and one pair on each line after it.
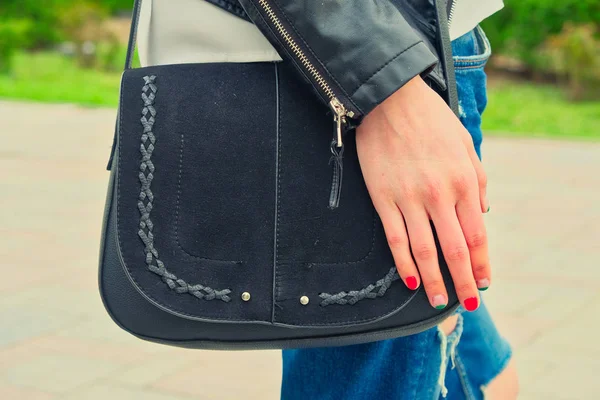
x,y
339,118
337,152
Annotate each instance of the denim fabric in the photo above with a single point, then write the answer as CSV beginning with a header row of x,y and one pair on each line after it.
x,y
430,364
481,354
471,52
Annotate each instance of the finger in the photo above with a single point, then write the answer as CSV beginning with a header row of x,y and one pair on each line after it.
x,y
473,227
397,237
456,253
424,251
481,177
482,183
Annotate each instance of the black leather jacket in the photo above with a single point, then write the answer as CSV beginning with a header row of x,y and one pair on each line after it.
x,y
356,53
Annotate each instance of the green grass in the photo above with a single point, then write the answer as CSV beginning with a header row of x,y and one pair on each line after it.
x,y
525,109
51,78
514,108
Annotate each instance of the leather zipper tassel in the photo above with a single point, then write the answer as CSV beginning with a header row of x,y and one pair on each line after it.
x,y
337,153
337,160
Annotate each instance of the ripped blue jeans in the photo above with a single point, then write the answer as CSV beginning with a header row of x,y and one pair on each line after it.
x,y
429,365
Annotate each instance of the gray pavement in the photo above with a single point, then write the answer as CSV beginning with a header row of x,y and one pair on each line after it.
x,y
57,342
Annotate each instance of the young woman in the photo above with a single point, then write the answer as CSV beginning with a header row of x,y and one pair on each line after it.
x,y
420,163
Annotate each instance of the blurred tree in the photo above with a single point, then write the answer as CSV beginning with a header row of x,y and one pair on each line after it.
x,y
575,55
42,16
82,23
110,54
524,25
115,6
45,17
13,35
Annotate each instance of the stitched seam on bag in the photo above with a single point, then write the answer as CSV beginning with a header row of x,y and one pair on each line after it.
x,y
277,204
384,65
146,226
378,317
371,291
315,56
177,207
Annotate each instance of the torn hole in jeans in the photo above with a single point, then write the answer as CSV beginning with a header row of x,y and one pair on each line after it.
x,y
448,345
461,110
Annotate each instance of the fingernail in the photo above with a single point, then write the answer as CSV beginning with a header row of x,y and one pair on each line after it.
x,y
411,283
439,301
483,284
488,209
471,303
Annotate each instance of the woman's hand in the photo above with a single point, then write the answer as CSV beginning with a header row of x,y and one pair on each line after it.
x,y
419,164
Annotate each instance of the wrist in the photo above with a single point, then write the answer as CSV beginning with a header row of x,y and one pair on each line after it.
x,y
409,94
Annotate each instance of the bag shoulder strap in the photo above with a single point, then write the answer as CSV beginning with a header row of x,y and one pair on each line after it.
x,y
135,19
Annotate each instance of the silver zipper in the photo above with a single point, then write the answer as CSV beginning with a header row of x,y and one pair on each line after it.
x,y
339,110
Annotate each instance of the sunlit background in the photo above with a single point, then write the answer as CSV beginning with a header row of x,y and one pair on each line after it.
x,y
60,67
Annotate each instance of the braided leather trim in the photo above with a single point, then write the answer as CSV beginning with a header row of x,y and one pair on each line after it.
x,y
370,292
145,204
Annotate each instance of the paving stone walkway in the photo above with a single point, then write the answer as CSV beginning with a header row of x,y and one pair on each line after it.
x,y
57,342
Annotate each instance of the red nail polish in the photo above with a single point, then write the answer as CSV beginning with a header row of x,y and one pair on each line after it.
x,y
411,282
471,303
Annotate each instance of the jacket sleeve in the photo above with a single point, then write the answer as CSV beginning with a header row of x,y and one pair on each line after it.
x,y
365,50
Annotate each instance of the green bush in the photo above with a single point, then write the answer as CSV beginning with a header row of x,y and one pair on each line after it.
x,y
13,35
114,6
574,55
523,25
42,16
82,24
45,17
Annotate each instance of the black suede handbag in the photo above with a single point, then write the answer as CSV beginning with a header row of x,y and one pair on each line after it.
x,y
217,230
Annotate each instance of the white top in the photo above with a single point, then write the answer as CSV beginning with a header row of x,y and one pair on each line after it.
x,y
467,14
194,31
